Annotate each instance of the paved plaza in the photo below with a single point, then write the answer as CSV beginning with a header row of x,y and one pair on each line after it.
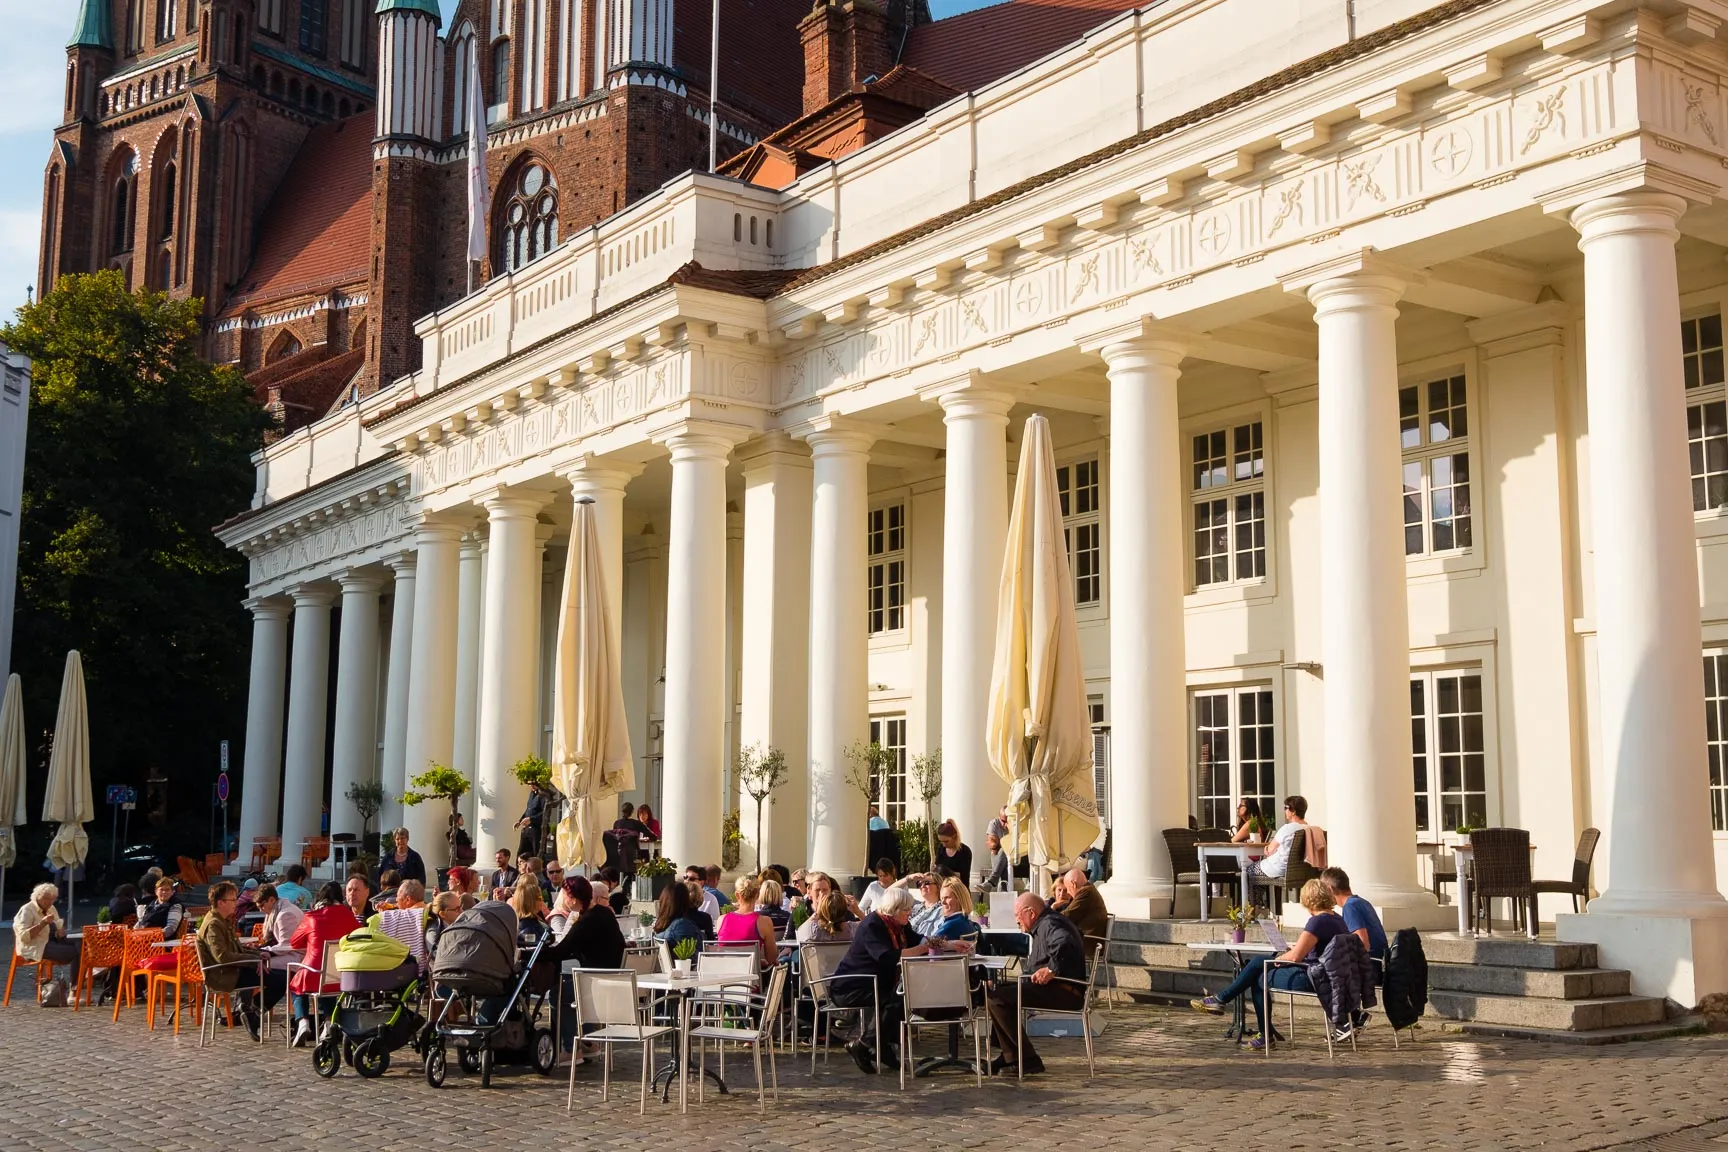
x,y
1165,1080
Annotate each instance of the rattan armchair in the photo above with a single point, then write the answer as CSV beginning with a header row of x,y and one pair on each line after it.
x,y
1579,886
1500,868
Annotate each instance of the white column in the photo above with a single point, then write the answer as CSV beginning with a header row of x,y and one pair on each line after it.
x,y
604,484
432,680
509,658
1660,913
263,765
975,519
776,623
390,771
1148,690
695,728
839,645
308,705
469,588
356,696
1370,815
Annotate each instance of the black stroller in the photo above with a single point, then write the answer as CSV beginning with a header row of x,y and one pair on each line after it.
x,y
477,960
376,1014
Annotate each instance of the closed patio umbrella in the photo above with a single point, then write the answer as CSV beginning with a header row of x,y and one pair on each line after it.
x,y
590,740
1039,734
68,801
12,803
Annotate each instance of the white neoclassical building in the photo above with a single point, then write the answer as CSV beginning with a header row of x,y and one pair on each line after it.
x,y
1383,347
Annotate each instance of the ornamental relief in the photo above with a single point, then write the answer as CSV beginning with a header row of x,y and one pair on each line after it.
x,y
334,545
1484,142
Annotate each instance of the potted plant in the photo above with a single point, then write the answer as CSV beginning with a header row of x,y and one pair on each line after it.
x,y
914,847
927,785
658,872
759,772
981,912
531,771
645,925
731,840
368,800
684,956
1240,917
439,783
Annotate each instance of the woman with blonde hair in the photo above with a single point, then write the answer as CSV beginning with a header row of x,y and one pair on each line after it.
x,y
956,901
528,900
829,920
1324,925
769,902
745,923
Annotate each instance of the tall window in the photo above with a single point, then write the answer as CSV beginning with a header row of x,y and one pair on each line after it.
x,y
1433,422
167,22
1234,749
123,205
1451,774
886,576
270,16
888,788
1716,734
501,74
1077,485
1706,410
1100,755
530,217
355,16
1229,497
165,226
314,25
136,16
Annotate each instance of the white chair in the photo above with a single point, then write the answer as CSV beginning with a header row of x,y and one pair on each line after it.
x,y
609,998
1290,994
754,1027
938,992
1083,1014
818,961
208,1007
1106,942
326,973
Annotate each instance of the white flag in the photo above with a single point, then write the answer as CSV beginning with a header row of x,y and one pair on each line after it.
x,y
479,193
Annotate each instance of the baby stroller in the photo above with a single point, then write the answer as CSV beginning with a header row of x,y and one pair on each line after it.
x,y
376,1012
477,961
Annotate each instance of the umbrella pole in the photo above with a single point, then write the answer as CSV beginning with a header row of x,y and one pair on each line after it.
x,y
71,890
1040,878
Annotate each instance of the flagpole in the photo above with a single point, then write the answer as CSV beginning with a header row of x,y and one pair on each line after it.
x,y
714,92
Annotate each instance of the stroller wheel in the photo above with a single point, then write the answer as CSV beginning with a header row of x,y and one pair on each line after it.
x,y
545,1051
327,1058
370,1062
486,1068
435,1067
469,1059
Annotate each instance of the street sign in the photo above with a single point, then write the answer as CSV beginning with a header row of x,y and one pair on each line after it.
x,y
222,784
116,793
224,763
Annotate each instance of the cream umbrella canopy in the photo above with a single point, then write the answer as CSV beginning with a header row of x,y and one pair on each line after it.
x,y
12,802
68,800
1039,734
590,740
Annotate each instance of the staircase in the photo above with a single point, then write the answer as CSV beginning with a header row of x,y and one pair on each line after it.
x,y
1490,986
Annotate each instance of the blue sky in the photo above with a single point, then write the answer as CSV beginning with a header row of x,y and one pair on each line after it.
x,y
32,62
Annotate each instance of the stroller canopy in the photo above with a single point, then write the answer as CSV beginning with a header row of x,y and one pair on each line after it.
x,y
478,947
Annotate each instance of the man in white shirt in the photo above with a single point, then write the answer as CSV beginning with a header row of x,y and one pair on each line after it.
x,y
1276,862
887,876
710,903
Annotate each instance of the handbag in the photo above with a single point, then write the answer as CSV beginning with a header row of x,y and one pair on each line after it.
x,y
56,993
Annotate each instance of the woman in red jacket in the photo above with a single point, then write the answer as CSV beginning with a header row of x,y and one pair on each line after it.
x,y
330,919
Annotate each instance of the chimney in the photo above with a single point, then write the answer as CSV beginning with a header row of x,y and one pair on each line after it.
x,y
844,45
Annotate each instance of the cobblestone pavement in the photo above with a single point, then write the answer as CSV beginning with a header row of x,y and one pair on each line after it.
x,y
1165,1080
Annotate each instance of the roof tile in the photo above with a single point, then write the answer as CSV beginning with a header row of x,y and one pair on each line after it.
x,y
974,48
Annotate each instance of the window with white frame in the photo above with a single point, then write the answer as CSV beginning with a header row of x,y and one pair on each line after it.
x,y
1716,734
1434,427
1448,750
1100,755
1706,410
1235,743
888,787
886,577
1229,499
1077,486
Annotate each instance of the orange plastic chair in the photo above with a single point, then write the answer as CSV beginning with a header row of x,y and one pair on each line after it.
x,y
44,973
265,849
186,976
314,852
135,950
214,863
104,947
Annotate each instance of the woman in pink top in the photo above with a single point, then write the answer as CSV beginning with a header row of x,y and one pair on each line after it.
x,y
744,923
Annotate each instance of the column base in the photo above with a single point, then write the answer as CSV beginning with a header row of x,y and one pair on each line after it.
x,y
1680,958
1148,899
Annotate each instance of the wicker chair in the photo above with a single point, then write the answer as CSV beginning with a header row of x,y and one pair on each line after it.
x,y
1500,868
1185,861
1579,886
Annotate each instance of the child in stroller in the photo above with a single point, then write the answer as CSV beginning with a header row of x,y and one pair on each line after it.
x,y
377,1011
494,1007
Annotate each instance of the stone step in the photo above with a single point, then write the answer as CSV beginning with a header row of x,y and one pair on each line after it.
x,y
1527,1012
1552,984
1679,1026
1506,952
1174,931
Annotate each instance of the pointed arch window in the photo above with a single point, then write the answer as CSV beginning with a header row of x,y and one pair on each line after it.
x,y
530,216
501,73
165,227
123,206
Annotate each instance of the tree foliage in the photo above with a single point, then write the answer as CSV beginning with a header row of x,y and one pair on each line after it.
x,y
137,446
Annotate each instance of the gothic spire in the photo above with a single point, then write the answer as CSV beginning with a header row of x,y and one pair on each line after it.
x,y
92,30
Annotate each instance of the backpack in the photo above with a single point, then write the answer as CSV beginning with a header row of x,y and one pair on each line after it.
x,y
1405,989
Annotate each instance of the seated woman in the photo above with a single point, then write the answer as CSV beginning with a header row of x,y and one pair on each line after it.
x,y
1250,825
1324,925
235,967
697,895
529,902
880,943
330,919
38,933
646,815
593,940
744,923
674,921
165,912
123,907
829,921
887,876
927,916
956,905
463,883
770,897
440,914
281,919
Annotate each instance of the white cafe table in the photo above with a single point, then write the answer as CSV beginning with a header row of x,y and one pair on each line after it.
x,y
680,986
1242,852
1239,954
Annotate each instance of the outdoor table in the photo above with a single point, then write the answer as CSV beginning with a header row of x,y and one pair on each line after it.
x,y
680,986
994,966
1238,954
1242,852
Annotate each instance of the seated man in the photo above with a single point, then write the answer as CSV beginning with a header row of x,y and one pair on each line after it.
x,y
235,966
1056,950
709,904
292,886
887,876
166,911
1086,907
1360,918
996,874
878,944
1276,862
504,877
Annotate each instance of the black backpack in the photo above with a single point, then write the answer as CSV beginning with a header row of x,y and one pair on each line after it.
x,y
1404,992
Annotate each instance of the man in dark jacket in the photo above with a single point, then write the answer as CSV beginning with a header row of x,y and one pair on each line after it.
x,y
1086,908
1056,950
532,825
593,939
879,943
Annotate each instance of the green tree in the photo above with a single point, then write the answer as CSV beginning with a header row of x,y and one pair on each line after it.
x,y
137,447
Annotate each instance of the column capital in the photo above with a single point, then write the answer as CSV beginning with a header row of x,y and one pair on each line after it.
x,y
967,395
402,564
312,596
695,440
1164,342
1363,278
507,503
268,607
437,529
1627,183
591,473
836,436
1626,213
771,450
360,581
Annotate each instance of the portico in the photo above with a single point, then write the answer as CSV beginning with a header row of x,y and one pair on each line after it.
x,y
1389,409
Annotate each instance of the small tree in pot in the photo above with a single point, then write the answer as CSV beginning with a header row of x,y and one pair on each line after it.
x,y
759,773
439,783
927,785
